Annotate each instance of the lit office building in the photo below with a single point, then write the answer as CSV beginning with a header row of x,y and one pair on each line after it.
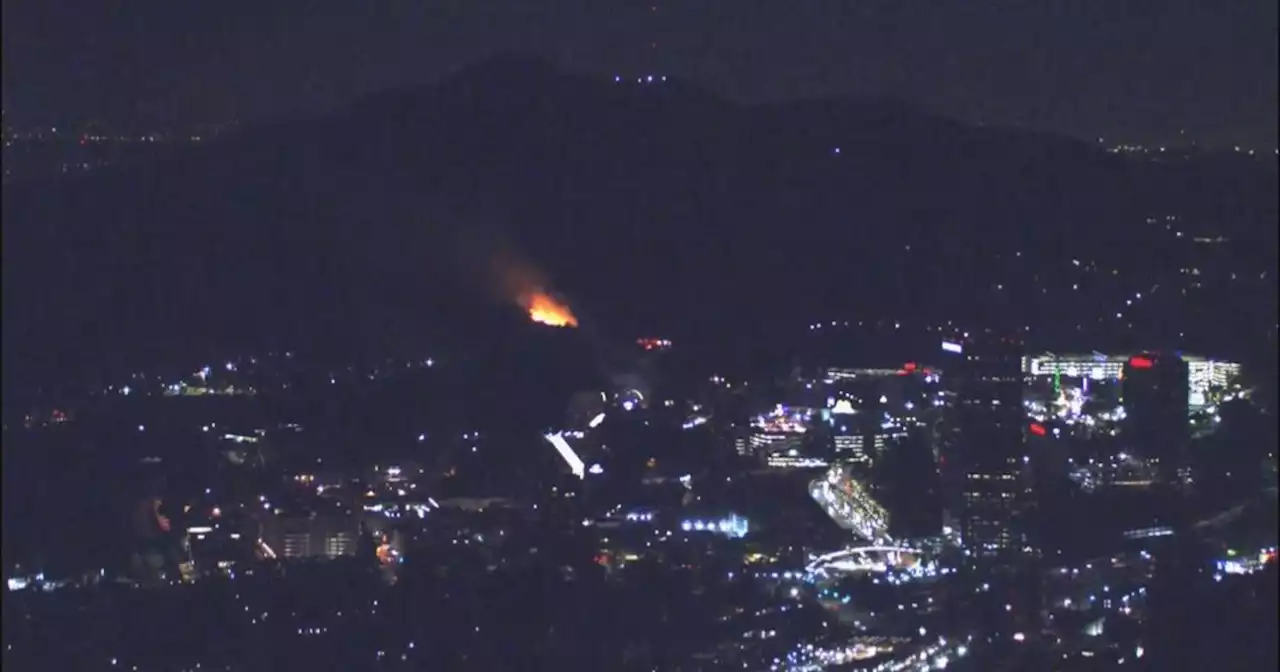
x,y
868,389
792,459
1094,366
983,446
772,442
311,537
836,375
756,443
855,445
1204,375
780,432
987,480
859,436
848,440
851,447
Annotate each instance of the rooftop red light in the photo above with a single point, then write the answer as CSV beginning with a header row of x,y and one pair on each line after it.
x,y
1141,362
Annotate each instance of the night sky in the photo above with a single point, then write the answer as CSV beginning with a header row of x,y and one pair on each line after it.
x,y
1131,71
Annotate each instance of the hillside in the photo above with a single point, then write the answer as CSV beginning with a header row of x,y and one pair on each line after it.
x,y
655,208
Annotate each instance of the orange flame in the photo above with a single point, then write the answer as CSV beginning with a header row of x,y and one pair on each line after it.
x,y
545,309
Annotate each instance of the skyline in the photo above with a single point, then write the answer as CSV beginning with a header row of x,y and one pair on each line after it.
x,y
1118,71
709,335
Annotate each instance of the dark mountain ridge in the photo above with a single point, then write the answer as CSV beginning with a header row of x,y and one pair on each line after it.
x,y
658,210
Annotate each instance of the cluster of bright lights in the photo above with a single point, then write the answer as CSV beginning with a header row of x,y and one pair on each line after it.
x,y
631,399
653,343
399,511
859,558
807,577
841,407
792,459
1123,470
695,421
1244,565
1149,532
915,573
21,582
1203,374
936,655
733,526
784,421
647,79
850,504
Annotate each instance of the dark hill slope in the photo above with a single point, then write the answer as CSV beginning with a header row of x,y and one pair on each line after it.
x,y
653,207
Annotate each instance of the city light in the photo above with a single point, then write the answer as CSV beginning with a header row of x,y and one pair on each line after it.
x,y
576,465
1141,362
734,526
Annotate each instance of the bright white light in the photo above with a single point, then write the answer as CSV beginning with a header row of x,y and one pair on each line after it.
x,y
595,422
576,465
952,347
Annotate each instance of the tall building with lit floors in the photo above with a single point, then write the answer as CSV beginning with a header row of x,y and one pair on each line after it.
x,y
986,477
330,536
1157,423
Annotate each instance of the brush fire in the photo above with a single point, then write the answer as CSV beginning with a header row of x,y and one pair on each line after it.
x,y
546,309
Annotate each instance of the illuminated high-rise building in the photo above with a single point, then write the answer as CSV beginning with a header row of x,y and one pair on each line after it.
x,y
1156,424
1205,377
781,431
983,450
986,479
312,536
